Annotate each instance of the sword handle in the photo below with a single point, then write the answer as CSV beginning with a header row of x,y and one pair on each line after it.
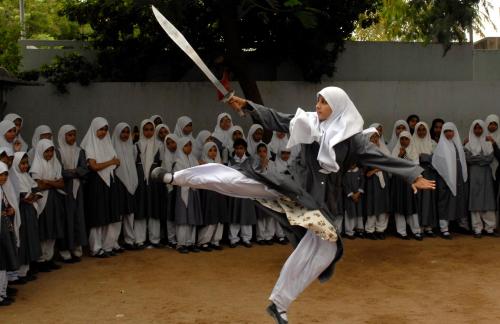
x,y
228,97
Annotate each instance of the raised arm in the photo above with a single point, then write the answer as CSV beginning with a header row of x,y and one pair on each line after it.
x,y
267,117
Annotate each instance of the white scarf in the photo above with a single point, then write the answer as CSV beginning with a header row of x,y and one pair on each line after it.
x,y
5,126
152,118
369,133
444,159
204,154
181,123
230,144
169,157
496,135
39,131
395,138
251,143
12,196
159,143
147,148
12,117
224,136
478,145
42,169
21,181
422,145
411,154
281,165
100,150
343,122
69,154
183,161
127,171
198,144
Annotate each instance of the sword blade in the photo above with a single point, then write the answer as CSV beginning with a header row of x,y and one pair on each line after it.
x,y
184,45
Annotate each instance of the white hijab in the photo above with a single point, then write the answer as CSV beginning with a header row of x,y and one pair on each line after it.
x,y
127,171
478,145
224,136
159,142
444,158
181,123
152,118
21,181
422,145
100,150
496,136
12,196
43,169
183,161
395,138
382,147
281,165
148,149
204,154
252,144
199,143
344,122
12,117
69,154
411,154
5,126
40,130
233,129
169,157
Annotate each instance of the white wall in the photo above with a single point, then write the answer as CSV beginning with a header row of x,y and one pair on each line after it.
x,y
385,102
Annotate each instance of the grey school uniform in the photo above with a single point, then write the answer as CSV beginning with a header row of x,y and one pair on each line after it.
x,y
101,201
147,195
8,249
51,220
29,249
377,202
75,234
353,181
427,199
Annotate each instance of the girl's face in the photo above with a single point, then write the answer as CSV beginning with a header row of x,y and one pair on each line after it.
x,y
24,165
48,154
449,134
125,134
405,141
212,152
11,134
162,133
70,137
280,135
399,129
323,109
157,121
188,129
412,122
285,156
257,135
46,136
148,130
171,145
478,130
262,152
239,151
225,123
237,134
187,148
3,178
375,139
19,123
437,128
380,130
492,127
101,132
422,131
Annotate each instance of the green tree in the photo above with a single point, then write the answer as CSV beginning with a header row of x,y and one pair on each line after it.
x,y
10,56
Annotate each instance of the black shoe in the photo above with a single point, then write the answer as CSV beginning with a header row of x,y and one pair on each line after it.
x,y
283,241
446,235
182,249
30,277
492,234
216,247
261,242
172,245
194,248
371,236
247,244
111,253
76,259
18,281
128,247
101,255
53,265
11,291
403,237
380,235
233,245
477,235
360,234
157,245
44,267
418,237
140,246
430,234
273,311
5,302
269,242
350,237
68,261
119,250
205,248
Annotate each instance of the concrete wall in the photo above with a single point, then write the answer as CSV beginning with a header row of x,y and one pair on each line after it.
x,y
385,102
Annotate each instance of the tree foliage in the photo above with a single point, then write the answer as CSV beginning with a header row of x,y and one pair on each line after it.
x,y
10,56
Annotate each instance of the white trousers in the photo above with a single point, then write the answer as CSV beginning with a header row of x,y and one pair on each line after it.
x,y
351,223
47,250
154,230
23,270
309,259
66,255
376,223
186,235
103,237
112,235
210,234
278,229
245,232
411,220
489,219
140,230
171,232
3,284
265,227
128,228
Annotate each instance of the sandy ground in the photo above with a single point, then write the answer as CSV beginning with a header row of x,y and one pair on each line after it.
x,y
391,281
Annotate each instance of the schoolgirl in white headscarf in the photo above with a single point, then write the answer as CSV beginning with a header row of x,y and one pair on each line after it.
x,y
180,126
200,141
161,131
494,121
396,130
223,135
13,118
7,134
42,131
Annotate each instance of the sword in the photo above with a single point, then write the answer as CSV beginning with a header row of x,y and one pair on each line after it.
x,y
184,45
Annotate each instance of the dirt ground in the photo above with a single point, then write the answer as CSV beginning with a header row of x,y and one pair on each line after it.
x,y
391,281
